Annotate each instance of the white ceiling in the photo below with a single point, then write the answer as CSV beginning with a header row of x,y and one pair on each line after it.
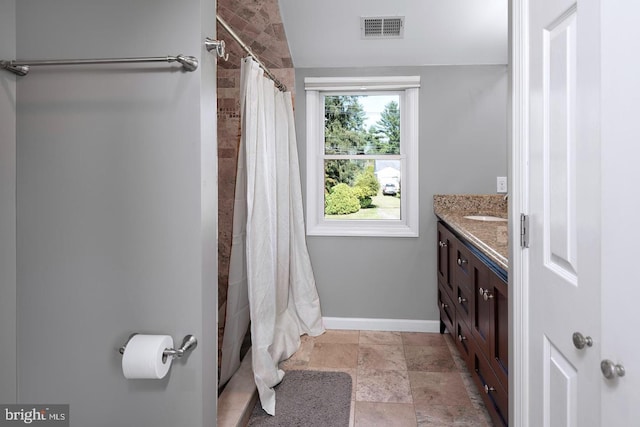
x,y
326,33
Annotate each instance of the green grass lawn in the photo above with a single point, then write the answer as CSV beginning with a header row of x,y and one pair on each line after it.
x,y
384,207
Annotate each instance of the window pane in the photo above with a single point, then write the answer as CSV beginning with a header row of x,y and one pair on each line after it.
x,y
362,124
362,189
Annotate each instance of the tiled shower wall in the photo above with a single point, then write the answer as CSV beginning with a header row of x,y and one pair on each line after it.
x,y
259,25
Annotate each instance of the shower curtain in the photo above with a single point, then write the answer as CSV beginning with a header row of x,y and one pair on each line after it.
x,y
283,300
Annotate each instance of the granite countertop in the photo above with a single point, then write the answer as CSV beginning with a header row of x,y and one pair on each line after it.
x,y
491,238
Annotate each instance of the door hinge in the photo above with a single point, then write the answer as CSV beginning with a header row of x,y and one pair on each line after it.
x,y
524,231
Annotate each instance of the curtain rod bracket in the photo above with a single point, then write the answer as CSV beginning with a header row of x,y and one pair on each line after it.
x,y
218,46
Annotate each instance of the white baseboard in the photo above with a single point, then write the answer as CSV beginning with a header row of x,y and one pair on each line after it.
x,y
396,325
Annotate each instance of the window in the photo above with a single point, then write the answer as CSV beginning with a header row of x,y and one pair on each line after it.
x,y
362,156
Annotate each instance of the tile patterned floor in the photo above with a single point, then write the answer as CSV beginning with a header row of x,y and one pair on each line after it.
x,y
399,379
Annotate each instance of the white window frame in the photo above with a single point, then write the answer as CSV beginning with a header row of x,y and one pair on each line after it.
x,y
408,224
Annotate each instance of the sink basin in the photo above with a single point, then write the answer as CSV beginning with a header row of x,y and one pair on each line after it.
x,y
486,218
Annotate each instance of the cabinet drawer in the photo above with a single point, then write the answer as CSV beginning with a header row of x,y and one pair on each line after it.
x,y
463,273
447,309
462,300
463,340
493,394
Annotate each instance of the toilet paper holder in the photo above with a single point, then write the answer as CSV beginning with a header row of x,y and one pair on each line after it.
x,y
188,344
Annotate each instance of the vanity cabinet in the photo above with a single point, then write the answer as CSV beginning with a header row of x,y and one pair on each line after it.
x,y
472,293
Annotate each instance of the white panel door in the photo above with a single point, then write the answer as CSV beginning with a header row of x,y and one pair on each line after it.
x,y
564,203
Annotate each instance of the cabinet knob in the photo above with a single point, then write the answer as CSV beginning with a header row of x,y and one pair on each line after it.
x,y
443,305
487,295
481,291
461,337
488,389
611,370
580,341
442,244
461,261
461,300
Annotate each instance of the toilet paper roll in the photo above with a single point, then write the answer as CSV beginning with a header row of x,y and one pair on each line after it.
x,y
142,356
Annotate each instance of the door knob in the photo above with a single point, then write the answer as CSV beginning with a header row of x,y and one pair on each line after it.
x,y
611,370
579,341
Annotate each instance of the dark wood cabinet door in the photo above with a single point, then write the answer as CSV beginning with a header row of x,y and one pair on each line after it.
x,y
446,246
482,306
447,310
499,354
494,395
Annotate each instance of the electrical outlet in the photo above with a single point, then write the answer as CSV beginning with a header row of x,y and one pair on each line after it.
x,y
502,184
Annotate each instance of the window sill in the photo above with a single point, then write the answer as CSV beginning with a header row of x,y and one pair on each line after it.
x,y
354,228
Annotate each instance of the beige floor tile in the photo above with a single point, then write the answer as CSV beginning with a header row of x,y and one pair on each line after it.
x,y
369,414
398,379
439,388
300,359
383,386
329,355
338,337
384,357
448,416
423,338
429,358
379,337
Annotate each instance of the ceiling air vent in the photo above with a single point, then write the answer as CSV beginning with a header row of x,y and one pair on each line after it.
x,y
382,27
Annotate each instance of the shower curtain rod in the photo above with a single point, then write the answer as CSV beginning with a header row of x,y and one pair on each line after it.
x,y
237,38
21,68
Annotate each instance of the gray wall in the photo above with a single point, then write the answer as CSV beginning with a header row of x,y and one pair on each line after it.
x,y
7,206
116,182
463,143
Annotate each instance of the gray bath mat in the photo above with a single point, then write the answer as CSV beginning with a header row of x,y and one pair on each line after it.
x,y
308,399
